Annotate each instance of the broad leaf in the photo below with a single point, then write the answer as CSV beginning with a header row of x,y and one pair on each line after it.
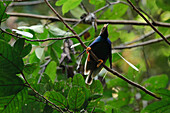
x,y
39,53
51,70
162,106
56,98
10,62
10,85
13,103
3,7
96,87
78,80
68,4
76,98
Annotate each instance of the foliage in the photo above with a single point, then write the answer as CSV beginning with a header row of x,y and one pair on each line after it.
x,y
35,75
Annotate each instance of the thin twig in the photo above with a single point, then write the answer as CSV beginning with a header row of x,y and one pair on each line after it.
x,y
59,109
93,110
38,40
96,59
141,38
148,21
141,44
124,22
131,82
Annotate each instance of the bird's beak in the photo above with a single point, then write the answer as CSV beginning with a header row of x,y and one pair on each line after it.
x,y
105,25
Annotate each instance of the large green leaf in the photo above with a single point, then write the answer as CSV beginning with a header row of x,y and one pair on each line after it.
x,y
156,82
78,80
5,36
13,103
10,62
3,6
76,97
164,4
51,70
57,98
68,4
20,49
96,87
10,85
162,106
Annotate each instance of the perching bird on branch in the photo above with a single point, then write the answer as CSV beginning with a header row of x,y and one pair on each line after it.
x,y
101,47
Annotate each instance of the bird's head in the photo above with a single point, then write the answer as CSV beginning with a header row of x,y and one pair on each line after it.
x,y
104,32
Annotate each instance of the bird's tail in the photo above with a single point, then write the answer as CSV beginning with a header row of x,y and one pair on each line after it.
x,y
89,79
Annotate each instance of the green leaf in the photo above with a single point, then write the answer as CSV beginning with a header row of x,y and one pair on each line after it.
x,y
116,12
162,106
164,93
5,36
33,58
30,68
164,4
54,55
76,97
13,103
56,98
47,109
78,80
51,70
99,106
156,82
68,5
3,7
60,2
10,85
19,45
39,53
96,87
11,63
26,50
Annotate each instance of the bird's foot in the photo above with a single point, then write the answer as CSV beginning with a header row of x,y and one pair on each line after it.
x,y
100,62
87,49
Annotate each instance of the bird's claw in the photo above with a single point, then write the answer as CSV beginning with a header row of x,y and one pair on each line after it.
x,y
87,49
100,62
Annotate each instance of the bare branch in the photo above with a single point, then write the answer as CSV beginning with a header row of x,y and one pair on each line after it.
x,y
141,38
148,21
141,44
124,22
26,3
95,58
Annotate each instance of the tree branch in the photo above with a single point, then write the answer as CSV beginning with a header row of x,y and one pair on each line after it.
x,y
124,22
38,40
141,44
95,58
148,21
26,3
141,38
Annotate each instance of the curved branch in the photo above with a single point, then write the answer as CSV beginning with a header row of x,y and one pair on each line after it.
x,y
148,21
124,22
95,58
